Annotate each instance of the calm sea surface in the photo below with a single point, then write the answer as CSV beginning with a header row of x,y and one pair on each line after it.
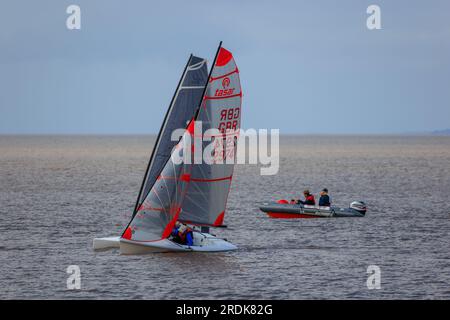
x,y
59,192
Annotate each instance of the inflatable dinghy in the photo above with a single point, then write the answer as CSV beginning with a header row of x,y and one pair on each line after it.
x,y
282,209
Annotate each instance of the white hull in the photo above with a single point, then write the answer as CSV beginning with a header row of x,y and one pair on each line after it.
x,y
106,243
203,242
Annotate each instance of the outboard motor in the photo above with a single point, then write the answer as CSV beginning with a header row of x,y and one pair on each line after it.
x,y
359,206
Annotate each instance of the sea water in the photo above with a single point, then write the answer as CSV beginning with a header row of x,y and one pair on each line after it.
x,y
59,192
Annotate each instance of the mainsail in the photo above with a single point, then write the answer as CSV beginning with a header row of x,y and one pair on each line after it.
x,y
182,109
206,197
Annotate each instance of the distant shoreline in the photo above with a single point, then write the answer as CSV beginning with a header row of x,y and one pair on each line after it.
x,y
445,132
441,133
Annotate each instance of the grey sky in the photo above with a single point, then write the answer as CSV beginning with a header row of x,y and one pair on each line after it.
x,y
306,66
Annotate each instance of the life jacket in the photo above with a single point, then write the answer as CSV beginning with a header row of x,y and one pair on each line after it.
x,y
310,200
324,200
182,235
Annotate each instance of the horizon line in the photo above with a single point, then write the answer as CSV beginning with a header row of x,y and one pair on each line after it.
x,y
419,133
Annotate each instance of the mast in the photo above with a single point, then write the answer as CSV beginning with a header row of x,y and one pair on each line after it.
x,y
207,81
136,206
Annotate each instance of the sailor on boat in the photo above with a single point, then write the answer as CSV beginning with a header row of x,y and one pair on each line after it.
x,y
182,234
309,199
324,200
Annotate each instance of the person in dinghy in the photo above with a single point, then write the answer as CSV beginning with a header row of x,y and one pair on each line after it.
x,y
182,234
309,199
324,200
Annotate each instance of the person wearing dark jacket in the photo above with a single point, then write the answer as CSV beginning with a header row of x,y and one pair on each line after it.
x,y
309,198
324,200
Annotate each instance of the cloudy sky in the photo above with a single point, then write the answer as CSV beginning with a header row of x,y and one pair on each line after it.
x,y
306,66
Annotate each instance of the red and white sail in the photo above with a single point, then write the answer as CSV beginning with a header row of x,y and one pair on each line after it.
x,y
206,197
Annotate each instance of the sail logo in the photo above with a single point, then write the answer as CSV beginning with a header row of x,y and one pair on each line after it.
x,y
225,91
226,82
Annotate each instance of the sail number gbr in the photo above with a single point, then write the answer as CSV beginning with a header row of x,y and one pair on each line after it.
x,y
229,119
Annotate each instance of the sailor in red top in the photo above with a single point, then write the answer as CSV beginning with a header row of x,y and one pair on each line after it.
x,y
309,198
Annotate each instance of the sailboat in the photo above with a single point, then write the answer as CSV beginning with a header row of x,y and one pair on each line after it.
x,y
192,193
